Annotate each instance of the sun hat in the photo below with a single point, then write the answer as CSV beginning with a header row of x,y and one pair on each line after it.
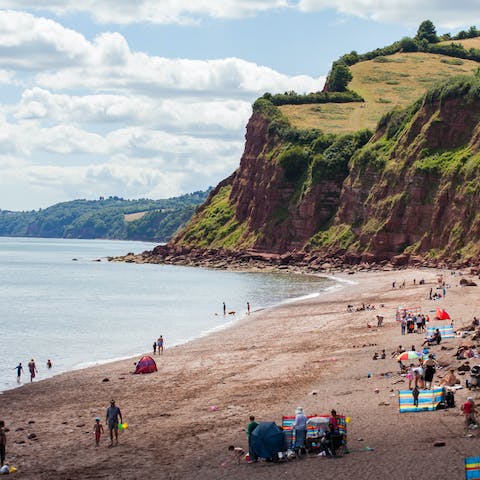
x,y
299,410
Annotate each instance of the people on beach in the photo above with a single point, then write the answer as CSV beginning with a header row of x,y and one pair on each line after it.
x,y
236,454
160,345
450,379
410,376
49,364
415,393
334,419
154,347
113,415
3,443
19,370
250,428
469,410
430,365
300,428
97,430
248,308
224,308
32,368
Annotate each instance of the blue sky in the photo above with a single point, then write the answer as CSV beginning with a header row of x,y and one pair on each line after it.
x,y
151,98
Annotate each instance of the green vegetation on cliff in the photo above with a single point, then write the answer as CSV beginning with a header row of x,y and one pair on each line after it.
x,y
113,218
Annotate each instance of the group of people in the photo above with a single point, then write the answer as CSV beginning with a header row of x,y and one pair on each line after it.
x,y
32,368
158,345
413,323
421,376
113,419
299,436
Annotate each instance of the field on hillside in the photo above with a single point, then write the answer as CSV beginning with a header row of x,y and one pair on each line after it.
x,y
384,83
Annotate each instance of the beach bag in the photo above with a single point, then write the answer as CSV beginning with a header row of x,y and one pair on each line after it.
x,y
450,399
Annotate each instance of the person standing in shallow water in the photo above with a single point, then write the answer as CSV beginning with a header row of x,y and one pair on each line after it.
x,y
154,347
248,308
160,345
32,368
224,308
19,370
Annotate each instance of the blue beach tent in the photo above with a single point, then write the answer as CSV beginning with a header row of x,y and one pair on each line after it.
x,y
267,440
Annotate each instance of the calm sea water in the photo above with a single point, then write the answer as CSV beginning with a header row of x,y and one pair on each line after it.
x,y
83,312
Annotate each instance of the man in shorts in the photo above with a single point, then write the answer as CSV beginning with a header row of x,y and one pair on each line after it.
x,y
113,414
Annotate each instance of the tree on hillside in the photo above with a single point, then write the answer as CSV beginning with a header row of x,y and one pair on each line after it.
x,y
408,44
339,78
427,31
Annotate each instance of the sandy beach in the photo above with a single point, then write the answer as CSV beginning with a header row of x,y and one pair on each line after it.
x,y
312,353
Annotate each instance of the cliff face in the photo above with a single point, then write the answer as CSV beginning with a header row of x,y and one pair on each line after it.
x,y
425,198
413,189
272,213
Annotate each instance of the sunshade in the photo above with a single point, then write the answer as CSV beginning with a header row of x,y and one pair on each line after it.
x,y
442,314
267,440
410,355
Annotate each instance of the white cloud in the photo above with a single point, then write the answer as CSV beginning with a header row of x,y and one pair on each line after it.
x,y
443,13
93,117
153,11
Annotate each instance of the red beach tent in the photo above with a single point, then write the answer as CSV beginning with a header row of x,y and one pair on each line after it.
x,y
442,314
146,365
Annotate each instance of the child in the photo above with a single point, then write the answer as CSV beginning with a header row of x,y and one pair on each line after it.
x,y
415,393
98,430
236,454
410,376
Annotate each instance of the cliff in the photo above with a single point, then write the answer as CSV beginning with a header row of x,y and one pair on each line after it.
x,y
410,190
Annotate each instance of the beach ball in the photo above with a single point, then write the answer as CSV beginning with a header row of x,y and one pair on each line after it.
x,y
348,419
123,426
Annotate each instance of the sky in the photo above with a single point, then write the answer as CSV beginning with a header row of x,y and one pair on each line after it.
x,y
150,98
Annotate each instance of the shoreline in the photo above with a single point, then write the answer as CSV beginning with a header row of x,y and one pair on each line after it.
x,y
219,328
311,353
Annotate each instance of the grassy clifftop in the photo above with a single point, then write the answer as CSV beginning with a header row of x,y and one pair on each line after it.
x,y
386,82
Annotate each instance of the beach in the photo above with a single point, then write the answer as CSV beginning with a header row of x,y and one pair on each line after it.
x,y
312,353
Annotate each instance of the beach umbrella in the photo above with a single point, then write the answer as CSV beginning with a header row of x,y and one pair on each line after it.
x,y
442,314
318,421
267,440
410,355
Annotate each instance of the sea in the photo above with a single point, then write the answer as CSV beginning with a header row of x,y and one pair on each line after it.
x,y
61,300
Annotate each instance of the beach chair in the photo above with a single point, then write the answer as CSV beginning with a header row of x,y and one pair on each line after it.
x,y
472,468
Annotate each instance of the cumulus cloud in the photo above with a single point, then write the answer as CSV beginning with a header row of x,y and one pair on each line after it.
x,y
93,117
444,13
153,11
181,114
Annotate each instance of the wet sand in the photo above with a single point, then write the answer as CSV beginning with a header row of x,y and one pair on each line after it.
x,y
311,353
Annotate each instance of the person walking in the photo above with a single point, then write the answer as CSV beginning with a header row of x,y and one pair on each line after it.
x,y
19,370
97,430
32,368
113,415
160,345
250,428
3,443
